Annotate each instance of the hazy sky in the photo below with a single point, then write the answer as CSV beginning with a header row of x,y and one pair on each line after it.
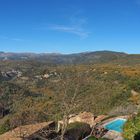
x,y
69,26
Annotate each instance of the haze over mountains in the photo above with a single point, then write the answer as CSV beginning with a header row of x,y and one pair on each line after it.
x,y
78,58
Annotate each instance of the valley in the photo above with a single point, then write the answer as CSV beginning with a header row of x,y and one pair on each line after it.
x,y
34,91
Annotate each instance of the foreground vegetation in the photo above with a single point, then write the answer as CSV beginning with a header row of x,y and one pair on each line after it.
x,y
132,129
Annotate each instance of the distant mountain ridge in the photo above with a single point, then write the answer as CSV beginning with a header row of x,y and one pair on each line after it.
x,y
77,58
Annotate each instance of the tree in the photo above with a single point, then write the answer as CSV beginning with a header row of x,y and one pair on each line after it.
x,y
71,84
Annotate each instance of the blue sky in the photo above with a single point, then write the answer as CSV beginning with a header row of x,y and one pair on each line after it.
x,y
69,26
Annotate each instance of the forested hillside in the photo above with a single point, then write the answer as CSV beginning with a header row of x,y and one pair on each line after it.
x,y
35,91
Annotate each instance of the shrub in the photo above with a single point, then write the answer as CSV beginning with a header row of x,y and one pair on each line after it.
x,y
77,131
93,138
132,128
134,84
5,127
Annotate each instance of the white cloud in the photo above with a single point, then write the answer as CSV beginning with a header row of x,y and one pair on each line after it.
x,y
79,31
76,25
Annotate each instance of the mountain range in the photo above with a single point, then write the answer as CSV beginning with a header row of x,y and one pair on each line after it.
x,y
77,58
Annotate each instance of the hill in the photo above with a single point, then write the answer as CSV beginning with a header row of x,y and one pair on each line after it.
x,y
79,58
36,89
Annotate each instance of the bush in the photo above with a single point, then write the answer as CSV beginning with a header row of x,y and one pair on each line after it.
x,y
137,136
77,131
93,138
134,84
5,127
132,128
